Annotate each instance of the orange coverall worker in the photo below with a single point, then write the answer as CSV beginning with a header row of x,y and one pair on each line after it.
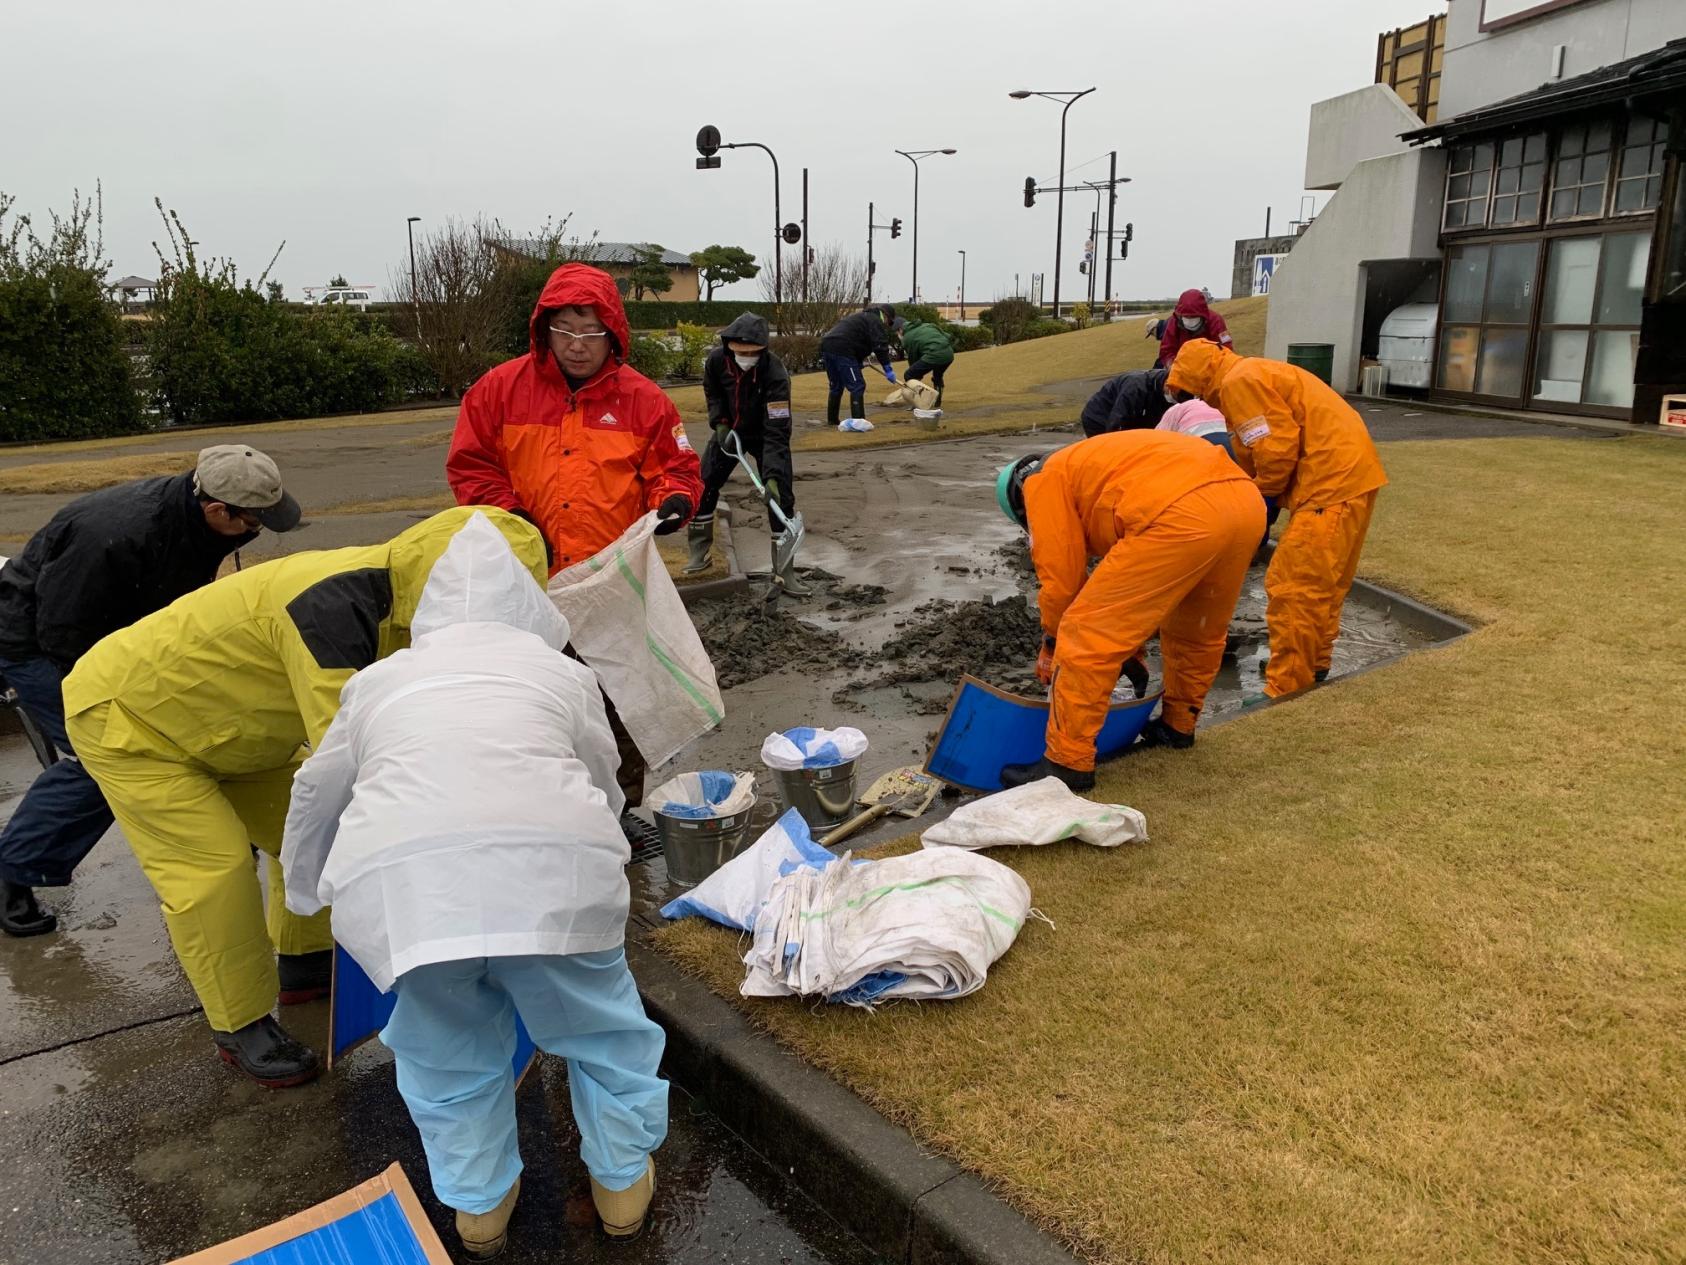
x,y
582,465
1174,523
1305,446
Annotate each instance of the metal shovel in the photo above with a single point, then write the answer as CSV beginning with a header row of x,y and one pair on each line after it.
x,y
907,792
788,537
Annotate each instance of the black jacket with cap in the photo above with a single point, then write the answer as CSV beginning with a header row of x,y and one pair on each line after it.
x,y
858,336
1131,401
104,561
753,402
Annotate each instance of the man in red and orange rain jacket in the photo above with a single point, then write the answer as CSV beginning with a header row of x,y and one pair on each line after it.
x,y
1306,448
570,436
1174,523
579,443
1190,319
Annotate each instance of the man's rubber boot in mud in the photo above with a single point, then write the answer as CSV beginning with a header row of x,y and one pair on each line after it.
x,y
485,1234
700,537
264,1051
1022,774
305,976
622,1211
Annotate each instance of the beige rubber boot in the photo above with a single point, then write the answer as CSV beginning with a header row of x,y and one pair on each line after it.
x,y
623,1211
485,1234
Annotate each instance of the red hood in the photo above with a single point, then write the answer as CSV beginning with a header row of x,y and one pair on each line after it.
x,y
580,285
1191,303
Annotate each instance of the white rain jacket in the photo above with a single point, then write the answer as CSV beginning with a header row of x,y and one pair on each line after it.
x,y
463,803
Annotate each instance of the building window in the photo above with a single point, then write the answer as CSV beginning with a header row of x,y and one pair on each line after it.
x,y
1589,323
1485,316
1469,175
1582,171
1519,180
1639,183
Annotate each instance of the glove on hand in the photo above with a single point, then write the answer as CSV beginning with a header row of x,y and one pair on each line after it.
x,y
672,513
1045,662
720,433
1135,672
890,373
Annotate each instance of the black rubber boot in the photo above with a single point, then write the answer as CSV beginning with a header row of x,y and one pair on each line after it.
x,y
21,915
264,1051
832,403
305,976
645,839
699,537
1321,675
1022,774
1157,733
857,406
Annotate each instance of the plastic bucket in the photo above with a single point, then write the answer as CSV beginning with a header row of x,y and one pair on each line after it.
x,y
695,847
824,797
1317,359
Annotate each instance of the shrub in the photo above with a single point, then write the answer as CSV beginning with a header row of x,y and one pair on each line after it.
x,y
652,357
695,342
799,352
1080,315
918,312
1010,319
968,337
1043,326
64,372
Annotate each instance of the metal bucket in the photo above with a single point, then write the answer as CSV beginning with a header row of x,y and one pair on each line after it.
x,y
695,847
825,797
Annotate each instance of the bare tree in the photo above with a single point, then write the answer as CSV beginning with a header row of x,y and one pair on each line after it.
x,y
836,282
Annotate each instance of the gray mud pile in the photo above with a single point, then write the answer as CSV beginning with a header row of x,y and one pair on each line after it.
x,y
942,640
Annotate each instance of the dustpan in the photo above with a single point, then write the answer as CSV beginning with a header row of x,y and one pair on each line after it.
x,y
907,792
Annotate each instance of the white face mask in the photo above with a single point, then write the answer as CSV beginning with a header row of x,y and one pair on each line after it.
x,y
1170,396
746,362
1191,323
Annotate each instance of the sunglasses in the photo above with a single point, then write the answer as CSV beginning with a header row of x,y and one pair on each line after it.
x,y
588,339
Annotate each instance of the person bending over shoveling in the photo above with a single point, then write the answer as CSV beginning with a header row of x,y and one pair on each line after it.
x,y
844,349
460,817
1174,523
748,394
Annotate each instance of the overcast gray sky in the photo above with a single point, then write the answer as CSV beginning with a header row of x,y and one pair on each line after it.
x,y
328,123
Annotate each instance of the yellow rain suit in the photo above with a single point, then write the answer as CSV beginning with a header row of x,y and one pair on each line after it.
x,y
1306,447
192,720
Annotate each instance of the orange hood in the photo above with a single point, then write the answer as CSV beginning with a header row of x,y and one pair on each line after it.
x,y
580,285
1200,368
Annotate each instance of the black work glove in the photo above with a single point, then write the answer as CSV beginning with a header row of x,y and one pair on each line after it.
x,y
672,513
1135,672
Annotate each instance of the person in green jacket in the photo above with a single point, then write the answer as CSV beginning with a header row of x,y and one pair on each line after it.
x,y
928,351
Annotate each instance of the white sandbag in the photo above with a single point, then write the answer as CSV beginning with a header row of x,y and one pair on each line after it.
x,y
735,893
808,748
630,627
1041,812
710,793
926,925
858,425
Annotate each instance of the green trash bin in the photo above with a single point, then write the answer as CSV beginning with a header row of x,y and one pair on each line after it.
x,y
1317,359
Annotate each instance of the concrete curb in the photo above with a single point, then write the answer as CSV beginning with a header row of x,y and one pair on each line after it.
x,y
902,1202
734,581
1413,614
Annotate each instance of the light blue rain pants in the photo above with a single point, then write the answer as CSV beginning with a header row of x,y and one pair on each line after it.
x,y
453,1034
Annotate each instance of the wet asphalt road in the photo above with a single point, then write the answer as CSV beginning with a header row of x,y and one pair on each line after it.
x,y
127,1141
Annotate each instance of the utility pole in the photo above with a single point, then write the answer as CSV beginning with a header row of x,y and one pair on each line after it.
x,y
805,246
869,265
415,292
1111,210
962,287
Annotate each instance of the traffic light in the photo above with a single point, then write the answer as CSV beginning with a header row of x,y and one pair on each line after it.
x,y
1030,190
896,227
1129,232
1124,249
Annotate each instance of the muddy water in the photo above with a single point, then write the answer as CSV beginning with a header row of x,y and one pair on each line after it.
x,y
921,579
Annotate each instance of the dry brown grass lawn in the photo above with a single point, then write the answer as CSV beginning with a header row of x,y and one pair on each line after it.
x,y
1402,973
89,476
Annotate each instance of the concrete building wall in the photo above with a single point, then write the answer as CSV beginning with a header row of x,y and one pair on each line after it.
x,y
1249,249
1388,208
1347,129
1482,67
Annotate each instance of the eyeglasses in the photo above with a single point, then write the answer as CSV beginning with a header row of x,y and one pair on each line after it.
x,y
579,338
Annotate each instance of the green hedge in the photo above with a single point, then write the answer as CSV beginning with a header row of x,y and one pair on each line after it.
x,y
650,314
63,371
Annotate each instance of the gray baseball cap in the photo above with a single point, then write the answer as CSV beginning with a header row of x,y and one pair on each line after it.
x,y
246,479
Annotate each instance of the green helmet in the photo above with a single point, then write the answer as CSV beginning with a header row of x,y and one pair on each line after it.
x,y
1009,486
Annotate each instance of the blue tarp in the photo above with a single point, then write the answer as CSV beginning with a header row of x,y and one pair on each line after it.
x,y
359,1010
987,730
375,1234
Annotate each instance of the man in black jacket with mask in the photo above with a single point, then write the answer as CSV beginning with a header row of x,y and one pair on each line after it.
x,y
1131,401
101,563
748,392
844,350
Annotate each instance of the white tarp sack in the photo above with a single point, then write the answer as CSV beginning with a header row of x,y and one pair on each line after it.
x,y
661,682
808,748
913,393
735,893
857,425
927,925
1041,812
710,793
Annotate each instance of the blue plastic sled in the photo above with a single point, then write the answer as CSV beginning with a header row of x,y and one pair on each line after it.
x,y
379,1221
359,1010
988,729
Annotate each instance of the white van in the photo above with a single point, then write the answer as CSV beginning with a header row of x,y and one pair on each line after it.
x,y
350,296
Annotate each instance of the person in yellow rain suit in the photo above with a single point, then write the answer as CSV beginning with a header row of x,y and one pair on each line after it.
x,y
1174,523
192,721
1310,452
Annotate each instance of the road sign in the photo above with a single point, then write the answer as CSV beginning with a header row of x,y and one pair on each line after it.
x,y
792,233
1264,270
708,140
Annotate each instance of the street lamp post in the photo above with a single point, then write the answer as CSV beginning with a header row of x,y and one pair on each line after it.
x,y
1070,99
708,141
415,290
962,287
914,158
